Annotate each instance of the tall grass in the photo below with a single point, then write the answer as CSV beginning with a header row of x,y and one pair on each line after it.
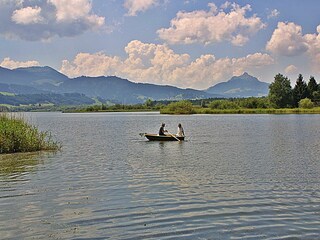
x,y
16,135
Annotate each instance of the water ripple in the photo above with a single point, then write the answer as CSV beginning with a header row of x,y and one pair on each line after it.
x,y
241,177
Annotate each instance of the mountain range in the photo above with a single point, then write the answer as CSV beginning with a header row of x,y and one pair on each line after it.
x,y
46,80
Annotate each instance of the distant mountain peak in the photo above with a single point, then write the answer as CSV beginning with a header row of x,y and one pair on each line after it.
x,y
245,74
244,85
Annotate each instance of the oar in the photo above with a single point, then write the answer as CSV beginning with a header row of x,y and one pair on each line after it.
x,y
174,136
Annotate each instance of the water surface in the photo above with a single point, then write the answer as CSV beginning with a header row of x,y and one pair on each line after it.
x,y
236,177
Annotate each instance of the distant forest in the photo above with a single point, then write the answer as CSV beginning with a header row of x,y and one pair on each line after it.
x,y
47,98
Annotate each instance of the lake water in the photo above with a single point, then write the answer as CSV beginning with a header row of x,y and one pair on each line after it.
x,y
236,177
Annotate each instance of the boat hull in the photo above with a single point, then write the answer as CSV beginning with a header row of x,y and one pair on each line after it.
x,y
155,137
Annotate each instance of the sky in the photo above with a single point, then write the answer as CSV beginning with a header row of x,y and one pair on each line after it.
x,y
184,43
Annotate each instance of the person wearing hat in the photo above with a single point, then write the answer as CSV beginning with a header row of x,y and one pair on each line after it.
x,y
162,131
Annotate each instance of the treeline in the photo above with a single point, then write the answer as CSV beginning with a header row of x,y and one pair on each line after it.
x,y
282,95
148,105
49,98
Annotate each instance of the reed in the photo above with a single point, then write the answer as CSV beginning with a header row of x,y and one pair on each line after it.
x,y
17,135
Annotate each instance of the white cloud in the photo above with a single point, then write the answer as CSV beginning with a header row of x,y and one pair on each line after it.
x,y
27,15
159,64
313,42
76,10
215,25
287,40
135,6
11,64
274,14
256,60
42,20
291,69
93,65
67,10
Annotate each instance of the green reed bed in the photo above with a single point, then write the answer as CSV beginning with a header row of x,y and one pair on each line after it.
x,y
17,135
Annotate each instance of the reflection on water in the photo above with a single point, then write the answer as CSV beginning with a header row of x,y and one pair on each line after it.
x,y
240,177
15,165
17,208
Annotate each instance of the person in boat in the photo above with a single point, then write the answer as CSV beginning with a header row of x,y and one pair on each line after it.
x,y
162,131
180,132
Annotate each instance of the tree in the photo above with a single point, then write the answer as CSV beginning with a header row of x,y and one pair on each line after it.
x,y
280,92
312,88
300,91
148,103
203,103
103,107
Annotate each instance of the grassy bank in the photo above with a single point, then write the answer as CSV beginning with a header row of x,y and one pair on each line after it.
x,y
198,110
16,135
233,107
258,111
113,110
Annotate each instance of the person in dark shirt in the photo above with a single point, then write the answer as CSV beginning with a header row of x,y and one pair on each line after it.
x,y
162,131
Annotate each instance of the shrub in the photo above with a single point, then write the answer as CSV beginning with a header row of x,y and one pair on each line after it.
x,y
223,104
254,102
181,107
306,103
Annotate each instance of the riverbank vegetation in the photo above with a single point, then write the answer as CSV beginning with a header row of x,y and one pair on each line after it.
x,y
16,135
148,106
238,106
282,99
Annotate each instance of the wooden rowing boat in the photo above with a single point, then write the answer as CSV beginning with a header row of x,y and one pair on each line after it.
x,y
156,137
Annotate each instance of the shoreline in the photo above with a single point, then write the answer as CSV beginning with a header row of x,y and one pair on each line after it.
x,y
195,110
204,111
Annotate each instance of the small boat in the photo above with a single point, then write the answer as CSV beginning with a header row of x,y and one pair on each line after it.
x,y
156,137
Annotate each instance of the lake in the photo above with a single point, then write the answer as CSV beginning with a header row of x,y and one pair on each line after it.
x,y
236,177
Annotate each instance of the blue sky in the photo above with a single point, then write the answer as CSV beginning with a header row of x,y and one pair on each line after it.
x,y
185,43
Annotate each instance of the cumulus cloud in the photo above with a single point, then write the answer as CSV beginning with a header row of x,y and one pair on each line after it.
x,y
291,69
135,6
288,40
11,64
75,10
229,23
93,65
273,14
159,64
41,20
27,15
313,42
